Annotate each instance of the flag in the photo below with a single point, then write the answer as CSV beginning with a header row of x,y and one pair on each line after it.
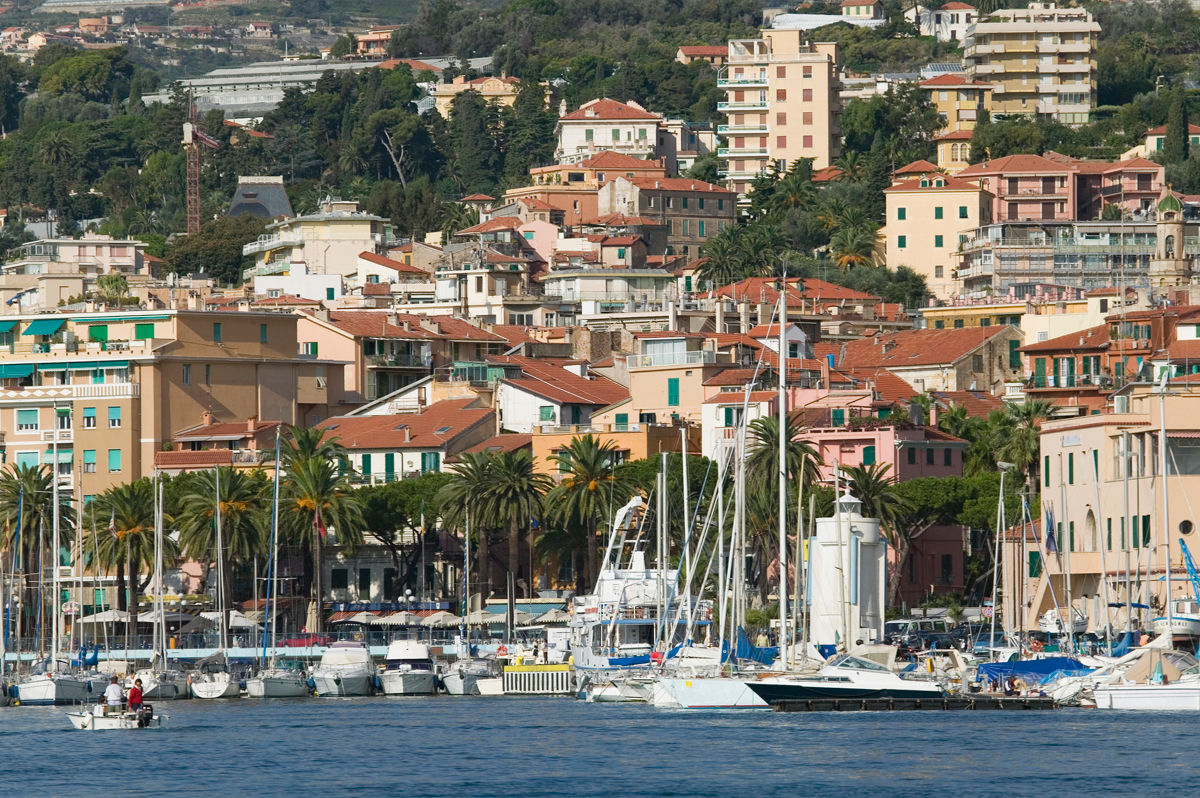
x,y
1048,517
112,524
318,523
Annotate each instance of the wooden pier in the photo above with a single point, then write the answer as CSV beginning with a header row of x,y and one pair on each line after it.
x,y
950,702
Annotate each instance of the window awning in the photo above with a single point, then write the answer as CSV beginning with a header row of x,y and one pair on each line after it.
x,y
64,455
44,327
129,319
11,370
6,326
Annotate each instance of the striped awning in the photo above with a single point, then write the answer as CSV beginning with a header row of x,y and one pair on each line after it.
x,y
44,327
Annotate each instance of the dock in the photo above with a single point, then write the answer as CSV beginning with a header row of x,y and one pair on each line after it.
x,y
950,702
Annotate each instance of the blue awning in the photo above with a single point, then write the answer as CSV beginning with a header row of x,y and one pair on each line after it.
x,y
6,326
11,370
44,327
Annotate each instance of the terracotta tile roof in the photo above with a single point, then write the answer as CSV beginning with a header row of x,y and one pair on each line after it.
x,y
492,225
620,219
977,403
764,289
931,184
1016,163
667,334
766,331
439,424
610,109
225,429
452,328
887,385
1182,311
953,79
535,204
1162,130
377,289
286,299
956,135
826,174
486,78
188,459
676,184
738,397
1134,163
609,159
548,379
704,50
620,241
1187,349
413,64
916,347
515,334
1110,291
605,363
917,166
934,434
823,348
394,265
478,198
499,257
504,442
737,377
368,324
956,6
1091,338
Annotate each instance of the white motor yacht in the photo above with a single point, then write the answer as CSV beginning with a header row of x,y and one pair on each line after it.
x,y
160,685
843,677
464,675
408,669
345,670
1185,620
700,692
1053,621
278,683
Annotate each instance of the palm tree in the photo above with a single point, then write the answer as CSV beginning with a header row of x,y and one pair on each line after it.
x,y
794,191
122,536
514,497
955,421
592,485
1022,443
464,501
762,465
872,486
832,211
305,444
27,508
723,253
851,166
317,496
457,216
852,246
245,520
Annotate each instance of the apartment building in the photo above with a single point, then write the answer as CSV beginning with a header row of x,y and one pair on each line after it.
x,y
499,90
926,220
1040,60
570,189
325,242
692,210
781,104
960,100
108,390
953,151
947,23
606,124
970,359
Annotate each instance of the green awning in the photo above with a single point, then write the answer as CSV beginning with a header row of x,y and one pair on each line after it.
x,y
64,456
44,327
12,370
6,326
112,364
116,319
83,365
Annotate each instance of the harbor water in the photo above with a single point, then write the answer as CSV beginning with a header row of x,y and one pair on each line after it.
x,y
442,746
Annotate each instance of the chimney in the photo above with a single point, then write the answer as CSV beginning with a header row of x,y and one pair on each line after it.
x,y
933,412
321,315
251,424
206,418
407,434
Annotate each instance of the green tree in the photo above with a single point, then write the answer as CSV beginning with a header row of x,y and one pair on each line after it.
x,y
476,159
514,498
927,502
1175,143
123,538
465,507
530,139
217,249
344,46
391,509
593,485
112,287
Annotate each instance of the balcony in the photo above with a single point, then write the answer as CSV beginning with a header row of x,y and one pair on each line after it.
x,y
1014,392
274,267
689,358
112,390
632,295
743,82
1065,47
731,130
738,174
742,152
269,242
990,69
1068,381
584,429
1050,69
743,105
64,435
400,361
983,49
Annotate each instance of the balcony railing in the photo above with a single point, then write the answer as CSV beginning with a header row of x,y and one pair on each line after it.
x,y
115,390
741,152
743,105
743,81
64,435
723,130
400,361
671,359
268,242
1070,381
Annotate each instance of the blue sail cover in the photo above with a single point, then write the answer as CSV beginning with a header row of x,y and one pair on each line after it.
x,y
1032,671
745,650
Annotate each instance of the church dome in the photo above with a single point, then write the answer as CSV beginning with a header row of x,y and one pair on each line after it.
x,y
1170,203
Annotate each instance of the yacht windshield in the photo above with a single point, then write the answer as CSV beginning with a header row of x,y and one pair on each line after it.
x,y
857,663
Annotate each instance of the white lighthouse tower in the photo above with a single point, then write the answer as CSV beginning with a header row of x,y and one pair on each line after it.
x,y
847,578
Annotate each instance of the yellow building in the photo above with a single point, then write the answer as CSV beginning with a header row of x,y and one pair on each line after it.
x,y
326,242
502,90
926,219
108,390
1040,60
781,104
960,101
633,441
953,151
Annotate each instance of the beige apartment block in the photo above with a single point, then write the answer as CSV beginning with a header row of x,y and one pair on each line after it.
x,y
1040,60
108,390
325,242
926,218
781,104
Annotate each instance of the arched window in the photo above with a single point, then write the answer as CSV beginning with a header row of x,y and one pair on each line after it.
x,y
1169,247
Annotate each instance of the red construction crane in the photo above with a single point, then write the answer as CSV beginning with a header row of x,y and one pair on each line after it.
x,y
193,138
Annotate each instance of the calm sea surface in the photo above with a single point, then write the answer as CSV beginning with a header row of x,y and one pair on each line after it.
x,y
559,747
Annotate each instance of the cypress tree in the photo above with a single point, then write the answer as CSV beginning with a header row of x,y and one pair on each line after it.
x,y
1175,144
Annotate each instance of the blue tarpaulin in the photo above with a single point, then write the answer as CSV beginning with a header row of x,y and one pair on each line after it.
x,y
745,650
1126,643
1032,671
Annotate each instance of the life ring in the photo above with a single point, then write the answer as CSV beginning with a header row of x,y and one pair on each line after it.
x,y
502,651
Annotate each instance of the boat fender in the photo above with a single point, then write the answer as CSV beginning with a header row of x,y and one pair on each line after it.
x,y
378,684
312,683
502,651
87,720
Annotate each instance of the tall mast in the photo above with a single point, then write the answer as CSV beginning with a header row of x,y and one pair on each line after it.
x,y
1166,524
273,568
783,573
54,602
687,534
220,566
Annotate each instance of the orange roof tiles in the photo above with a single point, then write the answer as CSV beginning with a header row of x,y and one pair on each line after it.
x,y
394,265
478,198
916,166
505,442
190,459
548,379
1016,163
956,135
916,347
425,430
953,79
368,324
676,184
1091,338
610,159
1162,130
704,49
609,109
978,404
931,184
492,225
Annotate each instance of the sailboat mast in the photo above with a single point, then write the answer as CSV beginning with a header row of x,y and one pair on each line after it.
x,y
54,534
687,533
220,566
1166,525
721,580
783,572
273,568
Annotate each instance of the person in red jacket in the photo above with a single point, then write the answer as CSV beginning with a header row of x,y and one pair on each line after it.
x,y
135,696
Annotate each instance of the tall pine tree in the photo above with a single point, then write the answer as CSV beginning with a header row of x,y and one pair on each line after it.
x,y
1175,144
530,140
476,163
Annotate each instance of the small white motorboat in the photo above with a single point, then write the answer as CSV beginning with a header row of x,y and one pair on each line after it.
x,y
345,670
212,679
160,685
408,669
492,685
464,675
97,719
1185,620
278,683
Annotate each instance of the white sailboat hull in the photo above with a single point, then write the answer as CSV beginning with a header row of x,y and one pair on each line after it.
x,y
282,685
44,690
408,683
707,693
215,685
1181,695
1180,625
343,683
457,683
126,720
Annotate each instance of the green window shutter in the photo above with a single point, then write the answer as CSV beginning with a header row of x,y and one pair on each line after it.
x,y
28,459
262,333
114,459
1095,464
962,211
901,214
940,324
89,456
1122,534
27,419
587,135
937,212
114,417
673,392
389,466
839,417
217,332
1070,468
937,241
702,228
620,252
1046,470
622,421
98,332
616,134
1087,365
729,416
547,413
1014,357
901,241
89,412
1110,534
143,332
1145,530
1071,533
687,283
329,294
366,465
435,461
868,457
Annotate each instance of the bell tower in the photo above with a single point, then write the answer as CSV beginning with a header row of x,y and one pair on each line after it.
x,y
1170,267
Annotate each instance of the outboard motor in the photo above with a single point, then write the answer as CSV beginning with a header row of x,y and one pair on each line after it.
x,y
145,715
